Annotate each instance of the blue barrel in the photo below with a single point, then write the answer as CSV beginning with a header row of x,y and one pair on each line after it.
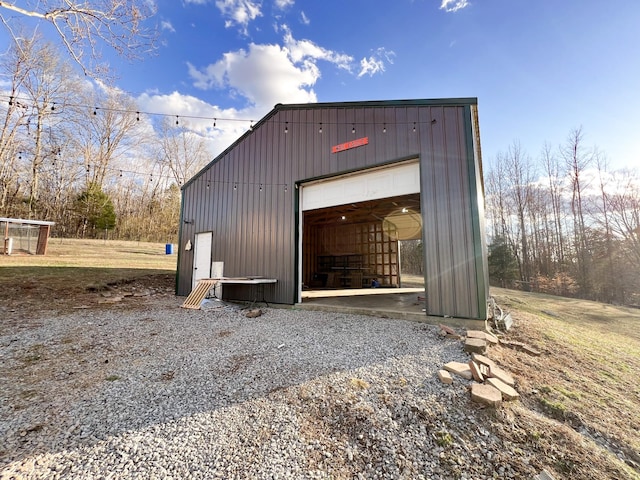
x,y
168,249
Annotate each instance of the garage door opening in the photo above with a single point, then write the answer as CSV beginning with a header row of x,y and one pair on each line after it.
x,y
357,248
353,229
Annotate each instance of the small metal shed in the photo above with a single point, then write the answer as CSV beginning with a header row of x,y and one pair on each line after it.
x,y
318,195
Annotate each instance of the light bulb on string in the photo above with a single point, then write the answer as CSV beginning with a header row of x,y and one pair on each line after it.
x,y
414,127
384,128
320,129
137,116
353,128
286,127
95,110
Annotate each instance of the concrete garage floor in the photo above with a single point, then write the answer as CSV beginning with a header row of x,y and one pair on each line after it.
x,y
380,302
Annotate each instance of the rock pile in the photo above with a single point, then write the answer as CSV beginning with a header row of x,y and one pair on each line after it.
x,y
491,384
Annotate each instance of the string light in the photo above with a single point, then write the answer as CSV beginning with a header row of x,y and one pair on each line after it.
x,y
286,127
414,127
14,100
384,128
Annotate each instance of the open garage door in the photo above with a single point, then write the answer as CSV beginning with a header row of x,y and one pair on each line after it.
x,y
352,226
376,183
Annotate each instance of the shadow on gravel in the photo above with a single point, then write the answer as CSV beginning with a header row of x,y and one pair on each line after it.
x,y
93,375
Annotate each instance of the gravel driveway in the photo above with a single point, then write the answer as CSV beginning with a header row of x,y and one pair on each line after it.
x,y
158,391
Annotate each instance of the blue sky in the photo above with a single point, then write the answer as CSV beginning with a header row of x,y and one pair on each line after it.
x,y
539,68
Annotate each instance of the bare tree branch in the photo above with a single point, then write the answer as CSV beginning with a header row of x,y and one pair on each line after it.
x,y
82,25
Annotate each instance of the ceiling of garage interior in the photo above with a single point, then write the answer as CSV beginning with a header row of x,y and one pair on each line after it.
x,y
403,212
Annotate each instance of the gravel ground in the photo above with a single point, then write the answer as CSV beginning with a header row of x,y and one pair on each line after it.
x,y
165,392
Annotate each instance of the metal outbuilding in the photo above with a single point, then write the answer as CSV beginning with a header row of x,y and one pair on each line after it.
x,y
318,196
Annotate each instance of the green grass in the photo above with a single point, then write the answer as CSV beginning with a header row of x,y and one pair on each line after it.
x,y
589,367
73,264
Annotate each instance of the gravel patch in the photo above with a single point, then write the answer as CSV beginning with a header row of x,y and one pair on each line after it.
x,y
164,392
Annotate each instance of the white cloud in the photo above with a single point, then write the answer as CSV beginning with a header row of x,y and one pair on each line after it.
x,y
303,50
269,74
166,25
376,63
264,75
453,5
282,4
227,128
304,19
239,12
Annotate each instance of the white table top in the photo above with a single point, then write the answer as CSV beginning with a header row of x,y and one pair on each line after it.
x,y
245,280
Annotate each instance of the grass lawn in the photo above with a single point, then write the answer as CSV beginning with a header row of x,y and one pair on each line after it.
x,y
587,375
74,263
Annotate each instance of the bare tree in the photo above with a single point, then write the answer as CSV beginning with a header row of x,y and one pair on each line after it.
x,y
107,134
519,178
577,159
625,213
82,25
46,88
554,174
182,151
14,115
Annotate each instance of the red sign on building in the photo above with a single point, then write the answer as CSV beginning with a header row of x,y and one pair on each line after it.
x,y
352,144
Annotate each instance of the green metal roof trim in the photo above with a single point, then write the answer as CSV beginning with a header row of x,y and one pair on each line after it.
x,y
440,102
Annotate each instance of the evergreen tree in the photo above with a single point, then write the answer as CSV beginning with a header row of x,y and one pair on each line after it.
x,y
95,211
503,266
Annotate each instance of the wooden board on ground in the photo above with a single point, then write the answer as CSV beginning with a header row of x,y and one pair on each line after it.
x,y
197,294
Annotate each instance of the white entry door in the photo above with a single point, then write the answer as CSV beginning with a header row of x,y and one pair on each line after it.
x,y
202,257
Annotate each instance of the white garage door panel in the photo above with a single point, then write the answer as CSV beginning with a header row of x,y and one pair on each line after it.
x,y
380,183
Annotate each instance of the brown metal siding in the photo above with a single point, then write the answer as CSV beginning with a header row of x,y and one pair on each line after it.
x,y
254,231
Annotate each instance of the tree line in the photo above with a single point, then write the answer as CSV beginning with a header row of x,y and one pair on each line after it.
x,y
564,223
75,151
